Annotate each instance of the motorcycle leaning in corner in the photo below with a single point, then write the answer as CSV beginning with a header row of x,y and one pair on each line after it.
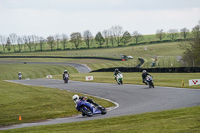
x,y
119,79
88,108
149,81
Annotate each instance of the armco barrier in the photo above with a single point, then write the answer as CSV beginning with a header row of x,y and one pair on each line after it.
x,y
153,70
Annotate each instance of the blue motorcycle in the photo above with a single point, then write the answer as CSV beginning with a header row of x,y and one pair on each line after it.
x,y
89,109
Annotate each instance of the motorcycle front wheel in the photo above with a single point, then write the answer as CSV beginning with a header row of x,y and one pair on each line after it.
x,y
86,111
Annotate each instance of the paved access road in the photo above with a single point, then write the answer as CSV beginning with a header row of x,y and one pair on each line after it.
x,y
131,99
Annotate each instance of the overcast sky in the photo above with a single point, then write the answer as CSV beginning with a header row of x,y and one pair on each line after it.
x,y
50,17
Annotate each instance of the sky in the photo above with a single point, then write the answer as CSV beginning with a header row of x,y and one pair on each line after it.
x,y
51,17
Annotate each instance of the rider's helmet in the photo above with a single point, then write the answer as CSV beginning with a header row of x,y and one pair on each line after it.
x,y
144,71
116,70
19,72
75,98
65,71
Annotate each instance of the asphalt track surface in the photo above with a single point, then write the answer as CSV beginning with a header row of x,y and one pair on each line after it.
x,y
80,67
129,99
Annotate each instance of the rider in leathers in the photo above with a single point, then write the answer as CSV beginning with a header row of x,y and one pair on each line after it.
x,y
76,98
65,72
115,73
144,75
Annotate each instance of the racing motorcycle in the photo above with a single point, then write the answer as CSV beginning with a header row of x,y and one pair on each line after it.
x,y
119,79
66,78
89,109
149,81
20,77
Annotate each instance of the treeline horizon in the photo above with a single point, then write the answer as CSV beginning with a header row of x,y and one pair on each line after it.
x,y
113,37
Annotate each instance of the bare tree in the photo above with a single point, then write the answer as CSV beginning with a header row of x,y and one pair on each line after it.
x,y
173,34
64,40
126,37
76,38
13,40
106,36
42,42
160,34
111,36
196,30
19,43
184,33
29,38
34,41
50,41
137,37
87,37
8,44
57,38
3,42
117,32
25,39
99,38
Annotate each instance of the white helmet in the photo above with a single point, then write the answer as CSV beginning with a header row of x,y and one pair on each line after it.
x,y
75,98
144,71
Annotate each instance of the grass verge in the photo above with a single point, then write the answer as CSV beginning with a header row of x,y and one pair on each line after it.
x,y
160,79
32,71
172,121
36,103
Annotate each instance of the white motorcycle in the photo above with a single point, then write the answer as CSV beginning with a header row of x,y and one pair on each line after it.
x,y
119,79
149,81
66,78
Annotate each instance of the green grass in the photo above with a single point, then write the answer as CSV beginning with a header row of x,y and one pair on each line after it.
x,y
183,120
166,54
160,79
36,103
32,71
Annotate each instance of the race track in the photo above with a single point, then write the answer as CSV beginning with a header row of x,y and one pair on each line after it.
x,y
81,68
132,99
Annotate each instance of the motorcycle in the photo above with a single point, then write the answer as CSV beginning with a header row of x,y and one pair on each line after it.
x,y
89,109
149,81
66,78
20,77
119,79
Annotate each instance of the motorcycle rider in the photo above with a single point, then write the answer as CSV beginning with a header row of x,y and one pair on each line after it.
x,y
19,75
76,98
115,73
144,75
65,72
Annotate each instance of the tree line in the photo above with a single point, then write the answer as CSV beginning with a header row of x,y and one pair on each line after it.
x,y
107,38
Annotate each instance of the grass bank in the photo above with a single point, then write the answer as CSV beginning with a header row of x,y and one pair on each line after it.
x,y
36,103
160,79
32,71
172,121
165,58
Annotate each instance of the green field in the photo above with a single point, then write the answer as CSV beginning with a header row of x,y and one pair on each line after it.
x,y
184,120
166,54
32,71
36,103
